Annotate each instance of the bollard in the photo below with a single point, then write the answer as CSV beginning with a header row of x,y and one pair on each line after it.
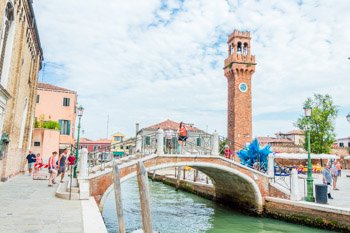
x,y
178,178
294,187
160,142
118,198
215,144
142,181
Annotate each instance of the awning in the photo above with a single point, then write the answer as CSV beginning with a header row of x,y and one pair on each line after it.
x,y
118,153
304,156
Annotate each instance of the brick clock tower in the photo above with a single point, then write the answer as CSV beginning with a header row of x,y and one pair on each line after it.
x,y
239,68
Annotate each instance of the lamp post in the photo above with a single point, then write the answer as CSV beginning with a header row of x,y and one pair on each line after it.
x,y
348,117
80,111
310,181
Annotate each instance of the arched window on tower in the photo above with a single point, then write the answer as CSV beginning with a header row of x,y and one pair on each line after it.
x,y
245,48
239,47
232,48
6,42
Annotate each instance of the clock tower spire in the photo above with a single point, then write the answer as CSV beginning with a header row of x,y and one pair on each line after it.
x,y
239,68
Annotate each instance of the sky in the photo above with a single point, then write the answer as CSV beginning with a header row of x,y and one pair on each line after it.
x,y
148,61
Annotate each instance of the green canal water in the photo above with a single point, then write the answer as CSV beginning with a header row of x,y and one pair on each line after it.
x,y
181,212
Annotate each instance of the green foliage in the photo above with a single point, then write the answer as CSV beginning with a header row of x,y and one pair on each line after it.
x,y
46,124
51,125
222,146
321,123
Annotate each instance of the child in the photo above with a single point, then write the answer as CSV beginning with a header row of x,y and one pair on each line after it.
x,y
52,168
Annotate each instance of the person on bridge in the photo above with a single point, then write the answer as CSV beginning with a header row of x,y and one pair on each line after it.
x,y
182,131
227,152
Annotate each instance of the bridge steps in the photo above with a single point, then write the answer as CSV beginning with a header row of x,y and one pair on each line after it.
x,y
63,191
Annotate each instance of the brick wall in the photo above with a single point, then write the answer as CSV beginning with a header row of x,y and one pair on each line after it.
x,y
25,63
308,214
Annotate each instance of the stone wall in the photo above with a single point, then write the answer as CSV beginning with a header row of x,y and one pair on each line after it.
x,y
311,214
25,63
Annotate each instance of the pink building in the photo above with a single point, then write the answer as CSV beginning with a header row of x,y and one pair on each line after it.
x,y
90,145
54,104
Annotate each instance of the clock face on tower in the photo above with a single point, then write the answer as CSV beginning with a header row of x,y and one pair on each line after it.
x,y
243,87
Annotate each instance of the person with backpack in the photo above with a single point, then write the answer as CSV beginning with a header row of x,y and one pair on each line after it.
x,y
182,131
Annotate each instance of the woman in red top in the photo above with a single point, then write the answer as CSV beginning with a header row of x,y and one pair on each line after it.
x,y
182,135
227,152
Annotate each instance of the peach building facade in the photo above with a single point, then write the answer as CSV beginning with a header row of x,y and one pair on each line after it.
x,y
56,104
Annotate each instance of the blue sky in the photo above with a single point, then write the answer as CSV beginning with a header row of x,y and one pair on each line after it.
x,y
147,61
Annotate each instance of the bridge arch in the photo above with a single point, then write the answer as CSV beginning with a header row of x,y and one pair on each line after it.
x,y
233,184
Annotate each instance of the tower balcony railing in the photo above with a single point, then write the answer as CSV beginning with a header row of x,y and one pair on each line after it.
x,y
239,58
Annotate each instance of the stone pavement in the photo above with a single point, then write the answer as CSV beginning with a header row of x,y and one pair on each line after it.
x,y
30,206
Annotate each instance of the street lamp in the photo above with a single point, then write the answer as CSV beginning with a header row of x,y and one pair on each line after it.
x,y
348,117
310,181
80,111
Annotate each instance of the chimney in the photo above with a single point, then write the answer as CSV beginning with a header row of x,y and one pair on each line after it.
x,y
137,128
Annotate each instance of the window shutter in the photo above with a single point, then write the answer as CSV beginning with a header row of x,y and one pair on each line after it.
x,y
61,126
68,127
68,101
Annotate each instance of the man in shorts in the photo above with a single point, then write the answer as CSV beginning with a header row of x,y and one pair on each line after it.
x,y
62,161
31,158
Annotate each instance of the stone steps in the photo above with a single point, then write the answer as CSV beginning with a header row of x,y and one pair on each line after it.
x,y
63,191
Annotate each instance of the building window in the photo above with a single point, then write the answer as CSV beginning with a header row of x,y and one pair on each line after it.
x,y
121,147
66,102
37,99
36,143
118,138
94,147
199,142
147,140
341,144
348,144
64,127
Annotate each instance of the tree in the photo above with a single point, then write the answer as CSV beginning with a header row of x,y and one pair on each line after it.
x,y
320,124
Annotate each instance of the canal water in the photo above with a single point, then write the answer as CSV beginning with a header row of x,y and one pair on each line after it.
x,y
181,212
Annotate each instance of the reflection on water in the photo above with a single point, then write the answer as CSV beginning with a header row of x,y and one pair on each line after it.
x,y
174,212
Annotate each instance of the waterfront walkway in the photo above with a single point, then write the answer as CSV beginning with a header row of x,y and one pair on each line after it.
x,y
30,206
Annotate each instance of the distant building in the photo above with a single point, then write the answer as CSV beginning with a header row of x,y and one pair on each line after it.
x,y
20,61
118,148
102,145
58,104
343,142
198,142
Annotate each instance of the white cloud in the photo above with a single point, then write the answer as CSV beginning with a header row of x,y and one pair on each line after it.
x,y
146,61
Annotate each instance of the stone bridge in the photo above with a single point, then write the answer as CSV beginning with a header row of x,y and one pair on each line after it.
x,y
234,183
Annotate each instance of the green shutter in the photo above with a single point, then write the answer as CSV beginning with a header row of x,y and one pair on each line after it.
x,y
61,126
68,128
199,142
148,140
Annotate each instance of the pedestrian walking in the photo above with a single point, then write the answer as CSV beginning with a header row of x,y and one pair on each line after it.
x,y
62,162
334,173
31,158
182,131
327,179
52,168
338,166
